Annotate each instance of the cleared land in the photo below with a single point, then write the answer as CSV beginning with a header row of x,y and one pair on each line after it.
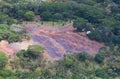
x,y
56,40
59,41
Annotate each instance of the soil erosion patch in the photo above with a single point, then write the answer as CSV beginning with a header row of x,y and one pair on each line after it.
x,y
59,41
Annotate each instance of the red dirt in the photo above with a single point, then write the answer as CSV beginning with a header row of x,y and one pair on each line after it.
x,y
10,49
6,48
58,41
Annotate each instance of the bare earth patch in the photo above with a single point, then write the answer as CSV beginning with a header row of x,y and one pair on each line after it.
x,y
21,45
56,41
10,49
6,48
59,41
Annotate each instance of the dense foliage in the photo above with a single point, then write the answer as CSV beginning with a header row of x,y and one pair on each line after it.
x,y
102,20
6,33
77,66
101,17
3,60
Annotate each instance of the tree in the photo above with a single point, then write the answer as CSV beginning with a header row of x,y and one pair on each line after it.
x,y
100,1
33,52
101,73
37,5
96,35
82,56
57,16
3,60
68,61
116,1
3,18
38,71
80,24
116,30
47,15
99,58
29,15
6,73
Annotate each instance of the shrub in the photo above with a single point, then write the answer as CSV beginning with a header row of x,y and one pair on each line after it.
x,y
5,73
3,60
68,61
46,16
29,15
101,73
33,52
57,16
81,24
82,56
99,58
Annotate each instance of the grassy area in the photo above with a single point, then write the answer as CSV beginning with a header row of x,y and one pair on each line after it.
x,y
49,23
36,48
55,24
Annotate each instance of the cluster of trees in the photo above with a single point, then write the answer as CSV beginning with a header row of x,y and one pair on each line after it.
x,y
12,33
92,10
8,34
110,35
4,18
29,64
102,19
9,29
15,11
58,10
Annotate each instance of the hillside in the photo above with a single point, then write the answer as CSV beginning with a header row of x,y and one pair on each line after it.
x,y
59,39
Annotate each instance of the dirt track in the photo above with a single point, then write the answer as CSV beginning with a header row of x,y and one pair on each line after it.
x,y
58,41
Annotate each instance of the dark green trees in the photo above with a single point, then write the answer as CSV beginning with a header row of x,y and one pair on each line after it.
x,y
46,16
99,58
82,24
116,1
101,73
83,56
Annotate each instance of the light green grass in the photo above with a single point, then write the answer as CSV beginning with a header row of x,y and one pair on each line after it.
x,y
36,48
55,24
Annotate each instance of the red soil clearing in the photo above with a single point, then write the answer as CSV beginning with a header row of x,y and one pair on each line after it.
x,y
6,48
11,48
59,41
